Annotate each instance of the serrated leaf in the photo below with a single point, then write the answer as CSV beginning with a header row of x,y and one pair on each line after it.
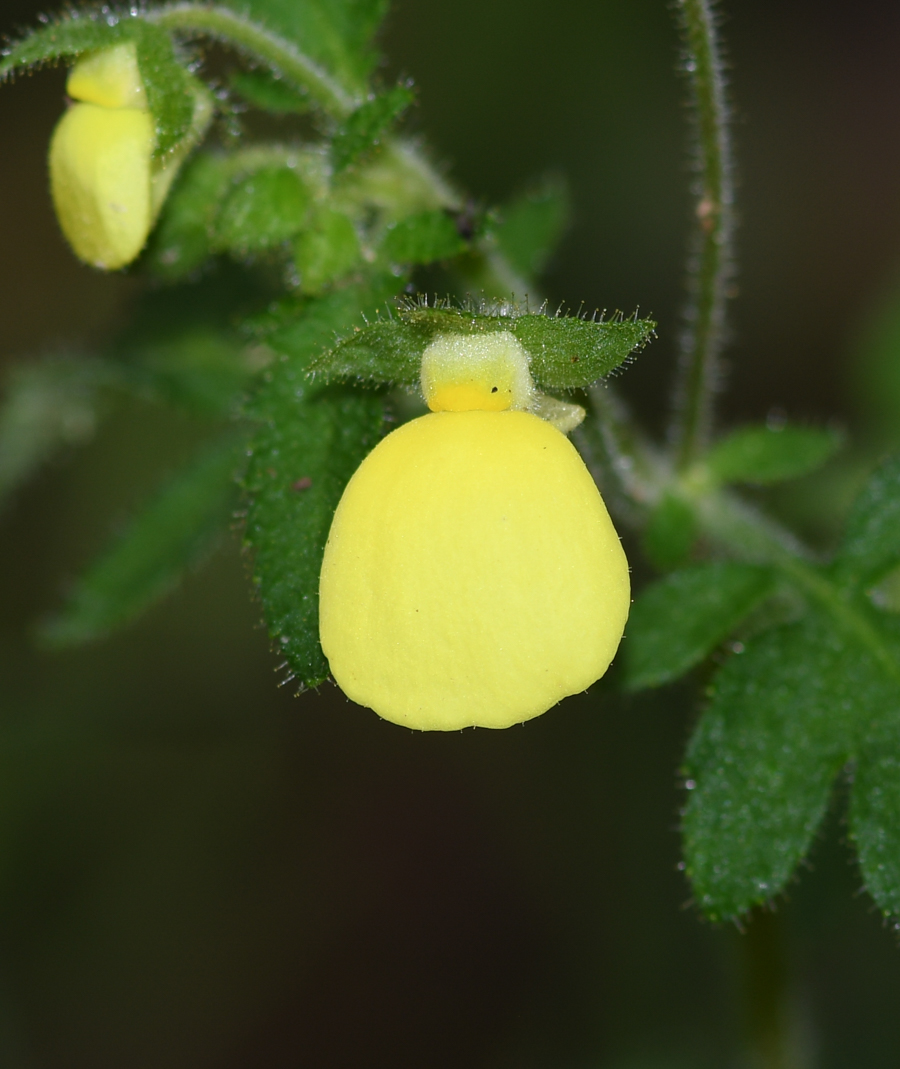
x,y
568,353
872,540
183,237
62,39
677,621
263,210
530,226
311,441
760,767
767,455
423,238
363,128
875,813
670,533
335,33
565,353
326,250
47,405
177,529
268,92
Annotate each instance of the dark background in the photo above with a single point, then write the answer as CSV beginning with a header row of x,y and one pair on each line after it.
x,y
198,869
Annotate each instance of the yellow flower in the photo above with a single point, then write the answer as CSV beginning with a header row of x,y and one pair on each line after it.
x,y
107,187
472,575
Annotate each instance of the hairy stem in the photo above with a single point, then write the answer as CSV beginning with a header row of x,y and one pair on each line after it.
x,y
710,265
278,52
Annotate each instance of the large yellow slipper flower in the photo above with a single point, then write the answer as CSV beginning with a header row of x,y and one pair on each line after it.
x,y
472,576
107,187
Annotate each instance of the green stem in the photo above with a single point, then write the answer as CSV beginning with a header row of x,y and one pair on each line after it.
x,y
766,991
278,52
710,263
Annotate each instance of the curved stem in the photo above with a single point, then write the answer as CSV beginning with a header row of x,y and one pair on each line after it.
x,y
710,261
280,53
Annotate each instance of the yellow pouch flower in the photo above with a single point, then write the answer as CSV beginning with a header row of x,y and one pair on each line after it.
x,y
472,576
107,187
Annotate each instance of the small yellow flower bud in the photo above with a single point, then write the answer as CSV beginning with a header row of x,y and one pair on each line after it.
x,y
107,187
472,576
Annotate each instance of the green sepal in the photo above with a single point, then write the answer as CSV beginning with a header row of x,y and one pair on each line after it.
x,y
676,622
263,210
170,87
311,440
871,543
529,227
566,353
363,129
423,239
782,721
764,455
670,533
174,533
268,92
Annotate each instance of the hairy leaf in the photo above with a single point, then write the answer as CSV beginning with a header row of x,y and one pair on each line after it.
x,y
263,210
175,532
363,129
47,405
311,441
268,92
530,226
875,811
872,540
64,38
760,767
423,238
767,455
565,353
676,622
335,33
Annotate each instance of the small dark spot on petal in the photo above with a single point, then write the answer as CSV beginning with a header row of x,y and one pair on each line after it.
x,y
493,389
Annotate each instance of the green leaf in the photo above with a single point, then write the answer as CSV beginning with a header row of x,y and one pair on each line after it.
x,y
565,353
263,210
363,129
423,238
268,92
530,226
677,621
875,813
178,528
47,405
63,38
326,250
768,455
763,759
182,239
170,96
670,533
311,441
569,353
872,540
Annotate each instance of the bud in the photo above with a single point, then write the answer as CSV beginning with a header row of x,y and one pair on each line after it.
x,y
472,575
107,187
